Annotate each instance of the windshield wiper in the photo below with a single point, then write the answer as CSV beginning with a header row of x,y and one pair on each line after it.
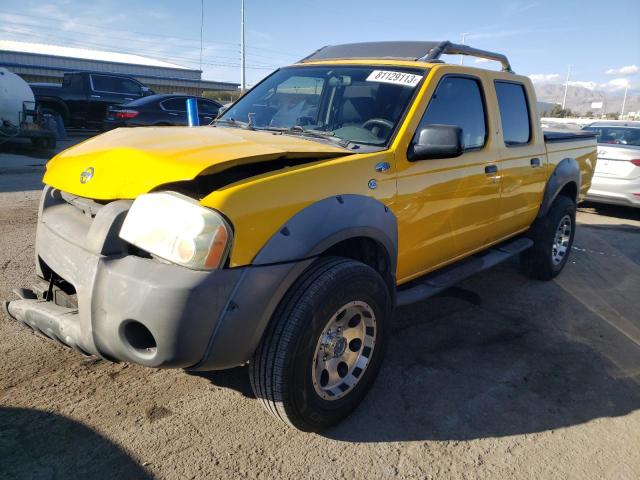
x,y
309,132
234,123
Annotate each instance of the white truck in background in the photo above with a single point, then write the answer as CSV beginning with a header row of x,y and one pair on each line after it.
x,y
19,117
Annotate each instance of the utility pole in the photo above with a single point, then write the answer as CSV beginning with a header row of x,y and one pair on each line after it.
x,y
566,86
463,35
242,52
201,27
624,99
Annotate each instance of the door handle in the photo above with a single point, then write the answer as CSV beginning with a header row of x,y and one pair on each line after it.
x,y
491,169
535,162
96,96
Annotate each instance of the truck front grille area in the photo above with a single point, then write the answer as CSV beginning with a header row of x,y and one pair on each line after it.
x,y
90,224
72,230
86,205
55,288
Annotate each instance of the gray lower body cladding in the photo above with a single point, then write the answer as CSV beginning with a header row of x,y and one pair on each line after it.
x,y
136,309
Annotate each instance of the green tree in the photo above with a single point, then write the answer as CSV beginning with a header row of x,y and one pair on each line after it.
x,y
558,112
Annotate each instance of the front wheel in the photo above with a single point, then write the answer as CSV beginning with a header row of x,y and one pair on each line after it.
x,y
323,347
552,236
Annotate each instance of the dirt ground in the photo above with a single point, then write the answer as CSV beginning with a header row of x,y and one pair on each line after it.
x,y
500,377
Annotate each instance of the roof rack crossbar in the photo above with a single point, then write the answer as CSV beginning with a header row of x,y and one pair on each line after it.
x,y
448,48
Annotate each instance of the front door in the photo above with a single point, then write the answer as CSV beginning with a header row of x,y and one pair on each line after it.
x,y
447,208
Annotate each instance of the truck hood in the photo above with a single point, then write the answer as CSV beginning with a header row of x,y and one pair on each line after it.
x,y
127,162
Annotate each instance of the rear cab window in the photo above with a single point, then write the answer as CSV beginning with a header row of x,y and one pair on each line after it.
x,y
110,84
514,113
459,101
124,85
102,83
72,82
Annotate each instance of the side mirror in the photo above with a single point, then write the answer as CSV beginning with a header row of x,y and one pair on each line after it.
x,y
146,91
437,141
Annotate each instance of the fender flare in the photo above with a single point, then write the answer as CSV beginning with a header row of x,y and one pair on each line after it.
x,y
281,261
59,105
327,222
567,171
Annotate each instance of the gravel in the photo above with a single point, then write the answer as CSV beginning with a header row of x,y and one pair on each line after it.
x,y
500,377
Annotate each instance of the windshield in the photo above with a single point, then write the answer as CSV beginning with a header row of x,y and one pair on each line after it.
x,y
617,135
355,104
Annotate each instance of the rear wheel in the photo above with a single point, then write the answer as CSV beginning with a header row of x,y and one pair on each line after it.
x,y
553,238
323,347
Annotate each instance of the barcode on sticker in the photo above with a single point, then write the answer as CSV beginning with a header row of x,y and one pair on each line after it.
x,y
397,78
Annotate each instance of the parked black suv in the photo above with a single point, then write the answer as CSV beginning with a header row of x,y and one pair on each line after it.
x,y
83,97
159,110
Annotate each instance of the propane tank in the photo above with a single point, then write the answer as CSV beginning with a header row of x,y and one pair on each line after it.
x,y
13,92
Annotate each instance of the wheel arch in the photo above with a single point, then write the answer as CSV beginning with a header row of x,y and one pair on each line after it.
x,y
55,104
353,226
332,223
565,180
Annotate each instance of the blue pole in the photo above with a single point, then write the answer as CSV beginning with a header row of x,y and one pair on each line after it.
x,y
192,112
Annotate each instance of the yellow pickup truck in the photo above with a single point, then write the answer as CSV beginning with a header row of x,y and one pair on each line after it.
x,y
283,235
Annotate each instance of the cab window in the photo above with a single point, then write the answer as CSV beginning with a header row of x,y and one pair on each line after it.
x,y
72,82
207,107
458,101
102,83
126,86
175,104
514,113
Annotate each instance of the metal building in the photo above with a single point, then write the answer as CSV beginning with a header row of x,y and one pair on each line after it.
x,y
47,63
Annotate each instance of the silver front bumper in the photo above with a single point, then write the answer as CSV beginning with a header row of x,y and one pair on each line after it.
x,y
115,288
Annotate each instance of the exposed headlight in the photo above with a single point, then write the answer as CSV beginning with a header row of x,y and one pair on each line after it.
x,y
178,229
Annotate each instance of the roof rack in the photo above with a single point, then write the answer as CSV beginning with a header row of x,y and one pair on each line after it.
x,y
448,48
403,51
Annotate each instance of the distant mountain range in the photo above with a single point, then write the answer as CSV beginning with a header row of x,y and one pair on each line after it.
x,y
579,99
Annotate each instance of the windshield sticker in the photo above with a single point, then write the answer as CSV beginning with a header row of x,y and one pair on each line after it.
x,y
397,78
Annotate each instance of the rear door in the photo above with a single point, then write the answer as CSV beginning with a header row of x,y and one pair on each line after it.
x,y
523,162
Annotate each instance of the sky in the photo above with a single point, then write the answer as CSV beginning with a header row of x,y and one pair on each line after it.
x,y
599,39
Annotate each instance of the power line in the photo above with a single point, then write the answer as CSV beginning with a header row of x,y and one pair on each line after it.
x,y
111,29
137,40
83,44
242,50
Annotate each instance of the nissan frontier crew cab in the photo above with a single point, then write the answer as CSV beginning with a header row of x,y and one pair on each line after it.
x,y
363,177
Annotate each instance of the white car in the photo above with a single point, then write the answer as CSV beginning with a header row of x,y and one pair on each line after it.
x,y
617,176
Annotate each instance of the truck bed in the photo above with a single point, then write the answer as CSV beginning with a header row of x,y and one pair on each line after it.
x,y
579,145
554,137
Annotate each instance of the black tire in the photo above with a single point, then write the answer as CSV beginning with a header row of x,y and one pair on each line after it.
x,y
281,370
538,261
44,143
